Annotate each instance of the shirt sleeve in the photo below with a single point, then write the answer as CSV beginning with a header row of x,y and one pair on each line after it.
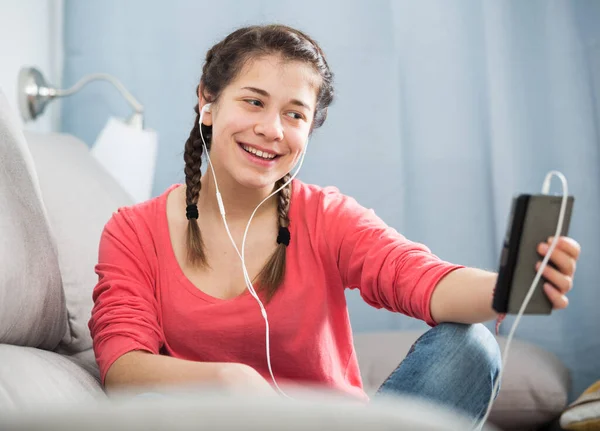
x,y
125,312
390,271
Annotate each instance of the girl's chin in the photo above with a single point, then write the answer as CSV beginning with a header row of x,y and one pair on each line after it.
x,y
256,183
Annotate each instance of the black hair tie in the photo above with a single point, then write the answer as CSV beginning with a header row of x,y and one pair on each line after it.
x,y
191,211
284,236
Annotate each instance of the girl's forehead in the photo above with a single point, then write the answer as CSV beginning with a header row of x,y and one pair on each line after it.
x,y
274,69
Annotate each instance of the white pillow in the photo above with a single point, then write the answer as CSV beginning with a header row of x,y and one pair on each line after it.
x,y
32,306
80,197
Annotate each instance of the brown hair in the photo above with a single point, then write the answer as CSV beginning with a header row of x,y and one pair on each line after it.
x,y
223,62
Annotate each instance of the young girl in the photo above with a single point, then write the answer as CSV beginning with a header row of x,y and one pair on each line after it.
x,y
172,305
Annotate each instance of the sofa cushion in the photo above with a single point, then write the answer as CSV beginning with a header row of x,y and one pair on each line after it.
x,y
32,307
535,387
535,383
32,377
80,197
86,360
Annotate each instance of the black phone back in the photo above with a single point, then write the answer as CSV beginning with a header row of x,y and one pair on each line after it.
x,y
533,219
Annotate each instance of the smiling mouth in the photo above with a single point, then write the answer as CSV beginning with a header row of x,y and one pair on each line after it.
x,y
258,153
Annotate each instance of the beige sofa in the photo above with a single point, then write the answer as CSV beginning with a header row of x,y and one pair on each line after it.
x,y
55,202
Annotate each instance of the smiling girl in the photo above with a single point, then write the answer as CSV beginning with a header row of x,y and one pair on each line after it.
x,y
172,306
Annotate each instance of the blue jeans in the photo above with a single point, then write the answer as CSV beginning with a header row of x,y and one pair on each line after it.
x,y
452,364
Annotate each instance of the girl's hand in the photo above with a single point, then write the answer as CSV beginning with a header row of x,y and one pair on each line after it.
x,y
559,280
243,378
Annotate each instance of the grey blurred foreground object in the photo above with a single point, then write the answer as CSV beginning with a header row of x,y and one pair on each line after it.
x,y
216,411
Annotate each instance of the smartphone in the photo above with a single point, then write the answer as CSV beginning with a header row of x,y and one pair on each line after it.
x,y
533,218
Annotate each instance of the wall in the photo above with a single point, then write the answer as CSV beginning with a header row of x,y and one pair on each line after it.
x,y
31,35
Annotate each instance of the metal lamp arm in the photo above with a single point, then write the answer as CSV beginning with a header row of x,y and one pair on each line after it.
x,y
138,108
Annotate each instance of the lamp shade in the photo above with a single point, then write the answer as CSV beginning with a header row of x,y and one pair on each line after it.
x,y
128,153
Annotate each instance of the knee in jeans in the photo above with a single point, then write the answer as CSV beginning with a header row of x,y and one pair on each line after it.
x,y
478,343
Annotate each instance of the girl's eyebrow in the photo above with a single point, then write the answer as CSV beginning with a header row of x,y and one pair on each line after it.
x,y
266,94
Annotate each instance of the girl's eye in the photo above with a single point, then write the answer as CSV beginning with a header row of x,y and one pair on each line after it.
x,y
295,115
254,102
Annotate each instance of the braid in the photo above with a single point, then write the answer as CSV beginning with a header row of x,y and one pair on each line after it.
x,y
193,162
283,205
273,273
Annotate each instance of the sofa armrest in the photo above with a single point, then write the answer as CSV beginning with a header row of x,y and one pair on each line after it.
x,y
32,377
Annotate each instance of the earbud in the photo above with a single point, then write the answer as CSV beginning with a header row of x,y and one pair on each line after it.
x,y
205,108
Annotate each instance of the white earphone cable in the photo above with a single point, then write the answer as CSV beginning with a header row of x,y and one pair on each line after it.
x,y
538,275
242,254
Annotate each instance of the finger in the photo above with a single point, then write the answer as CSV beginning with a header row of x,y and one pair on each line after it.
x,y
568,245
562,282
563,261
558,300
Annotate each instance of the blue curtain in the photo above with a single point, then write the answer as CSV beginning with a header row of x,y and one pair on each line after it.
x,y
444,111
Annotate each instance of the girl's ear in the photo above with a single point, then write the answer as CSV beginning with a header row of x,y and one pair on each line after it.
x,y
206,111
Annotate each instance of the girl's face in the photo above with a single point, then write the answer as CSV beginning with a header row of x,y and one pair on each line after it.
x,y
262,119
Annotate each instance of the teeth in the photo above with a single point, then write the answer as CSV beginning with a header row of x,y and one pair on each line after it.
x,y
258,153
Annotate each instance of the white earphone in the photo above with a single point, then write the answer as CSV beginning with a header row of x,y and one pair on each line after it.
x,y
207,108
